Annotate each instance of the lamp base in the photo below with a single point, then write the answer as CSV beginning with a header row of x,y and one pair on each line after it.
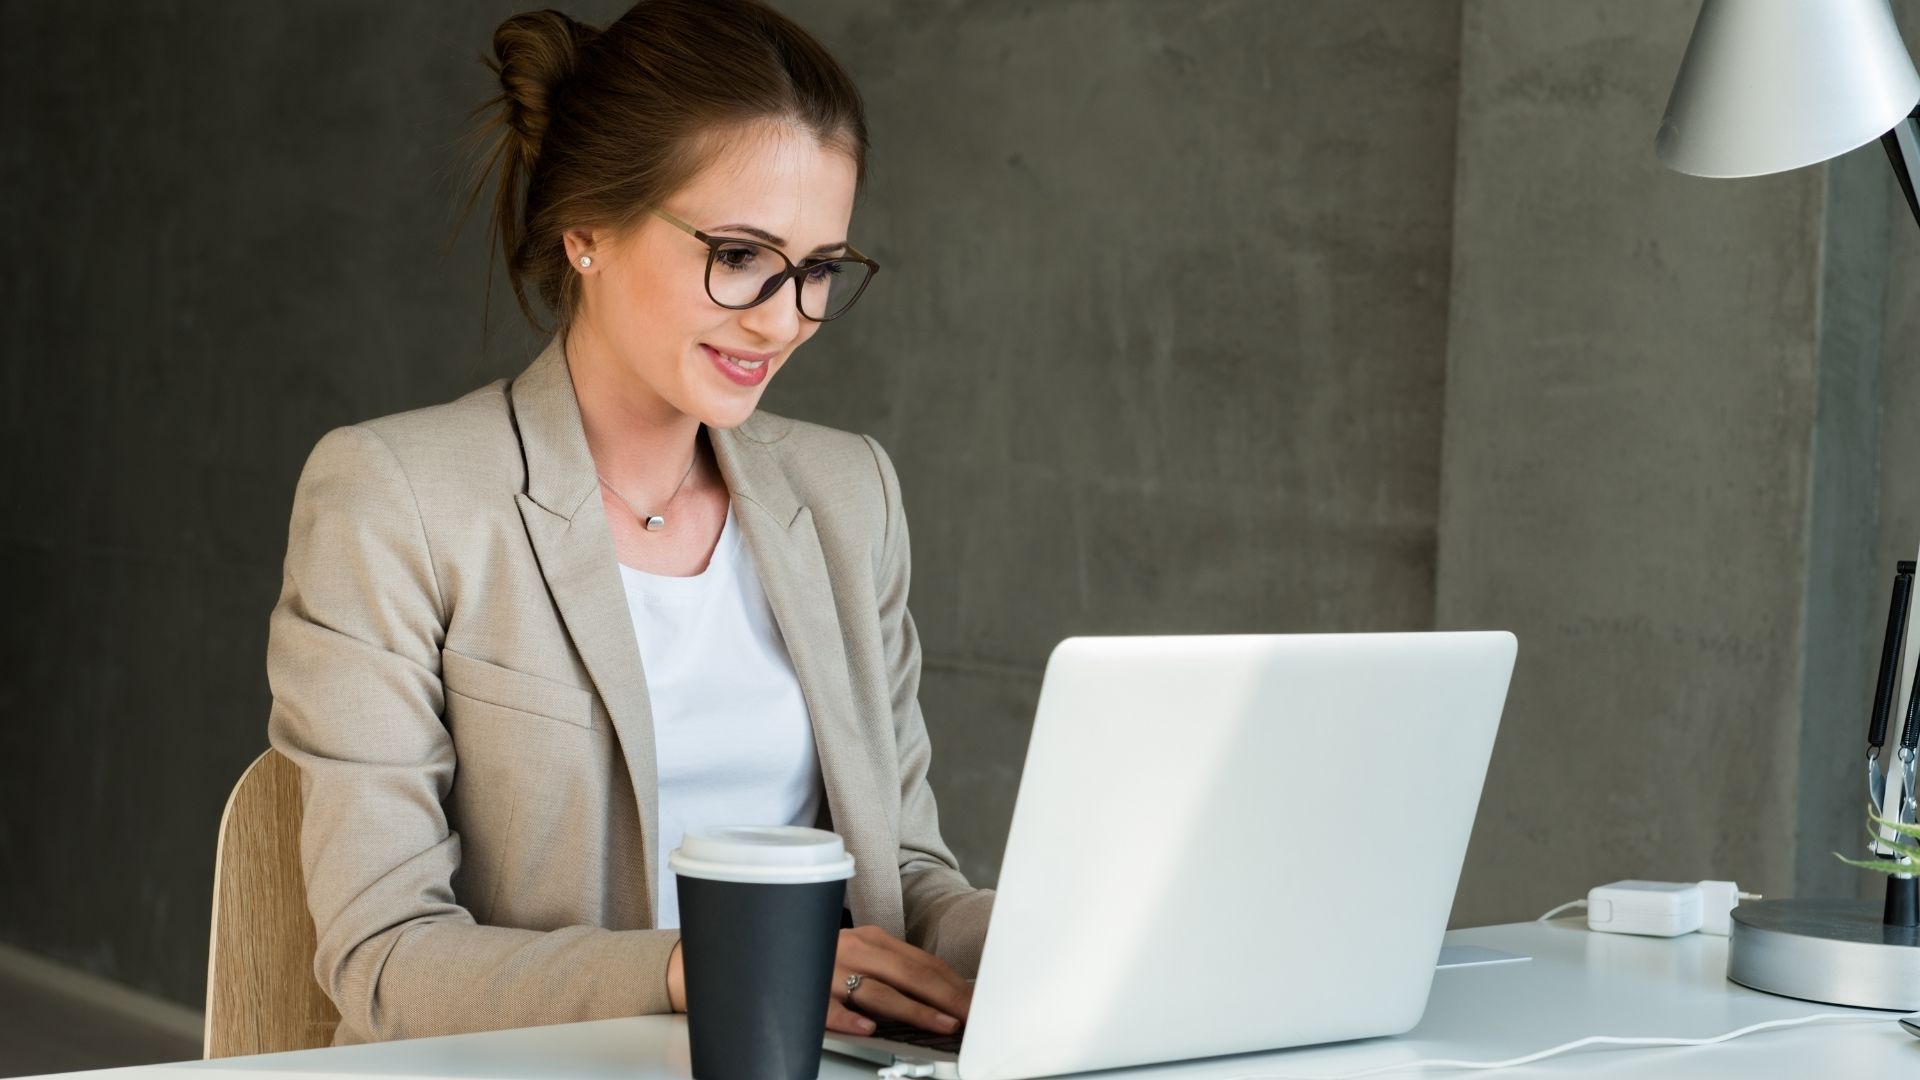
x,y
1835,951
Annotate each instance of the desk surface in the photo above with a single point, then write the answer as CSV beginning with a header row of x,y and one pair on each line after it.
x,y
1578,984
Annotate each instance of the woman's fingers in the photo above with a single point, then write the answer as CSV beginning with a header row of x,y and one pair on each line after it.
x,y
845,1020
878,1000
906,971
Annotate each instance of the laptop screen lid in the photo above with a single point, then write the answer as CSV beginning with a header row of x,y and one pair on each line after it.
x,y
1225,844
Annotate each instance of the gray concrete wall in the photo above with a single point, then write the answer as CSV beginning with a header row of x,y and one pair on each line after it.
x,y
1159,342
225,231
1662,429
1867,441
1240,315
1845,608
1897,517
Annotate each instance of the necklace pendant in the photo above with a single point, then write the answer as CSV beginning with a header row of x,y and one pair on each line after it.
x,y
656,523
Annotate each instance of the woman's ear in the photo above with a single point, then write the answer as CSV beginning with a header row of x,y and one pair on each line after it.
x,y
580,241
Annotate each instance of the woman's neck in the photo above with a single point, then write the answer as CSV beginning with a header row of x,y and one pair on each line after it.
x,y
640,443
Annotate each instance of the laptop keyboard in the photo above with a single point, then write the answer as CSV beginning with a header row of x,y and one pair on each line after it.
x,y
900,1031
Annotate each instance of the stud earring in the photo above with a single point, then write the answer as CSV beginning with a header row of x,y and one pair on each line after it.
x,y
586,260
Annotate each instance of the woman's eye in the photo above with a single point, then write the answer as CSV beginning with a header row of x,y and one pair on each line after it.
x,y
822,271
736,258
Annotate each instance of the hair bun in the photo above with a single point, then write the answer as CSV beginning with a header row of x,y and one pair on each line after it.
x,y
589,126
534,52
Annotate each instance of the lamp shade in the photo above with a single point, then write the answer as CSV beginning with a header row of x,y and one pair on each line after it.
x,y
1771,85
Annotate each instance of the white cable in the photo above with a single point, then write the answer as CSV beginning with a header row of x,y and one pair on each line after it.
x,y
901,1069
1591,1040
1561,908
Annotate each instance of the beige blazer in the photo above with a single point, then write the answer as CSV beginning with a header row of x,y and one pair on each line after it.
x,y
454,670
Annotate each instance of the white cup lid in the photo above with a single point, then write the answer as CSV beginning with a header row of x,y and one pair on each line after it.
x,y
762,854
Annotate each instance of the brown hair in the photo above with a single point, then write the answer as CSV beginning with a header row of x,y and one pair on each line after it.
x,y
595,127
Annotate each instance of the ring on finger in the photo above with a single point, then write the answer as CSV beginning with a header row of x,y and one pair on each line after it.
x,y
853,983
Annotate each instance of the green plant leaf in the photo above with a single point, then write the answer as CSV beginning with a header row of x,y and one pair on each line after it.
x,y
1911,851
1897,847
1879,866
1897,826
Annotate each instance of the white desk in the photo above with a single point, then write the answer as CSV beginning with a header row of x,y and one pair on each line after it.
x,y
1578,984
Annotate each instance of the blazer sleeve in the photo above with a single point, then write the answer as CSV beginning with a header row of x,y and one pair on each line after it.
x,y
944,914
353,659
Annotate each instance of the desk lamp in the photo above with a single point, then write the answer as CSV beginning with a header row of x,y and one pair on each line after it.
x,y
1766,86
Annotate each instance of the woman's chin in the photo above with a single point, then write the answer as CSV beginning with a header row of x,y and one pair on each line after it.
x,y
718,401
729,412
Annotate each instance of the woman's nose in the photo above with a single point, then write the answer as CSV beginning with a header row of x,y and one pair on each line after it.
x,y
775,319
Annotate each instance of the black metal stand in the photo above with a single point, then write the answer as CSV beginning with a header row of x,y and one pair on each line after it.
x,y
1903,902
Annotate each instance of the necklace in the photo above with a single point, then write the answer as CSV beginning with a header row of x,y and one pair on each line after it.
x,y
653,522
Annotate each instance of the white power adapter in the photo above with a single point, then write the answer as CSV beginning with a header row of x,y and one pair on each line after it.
x,y
1664,908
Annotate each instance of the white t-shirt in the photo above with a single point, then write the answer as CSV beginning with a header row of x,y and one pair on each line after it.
x,y
732,738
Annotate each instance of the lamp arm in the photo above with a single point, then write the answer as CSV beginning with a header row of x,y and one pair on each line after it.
x,y
1903,150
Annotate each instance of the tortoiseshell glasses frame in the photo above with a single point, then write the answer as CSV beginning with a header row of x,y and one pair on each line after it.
x,y
813,278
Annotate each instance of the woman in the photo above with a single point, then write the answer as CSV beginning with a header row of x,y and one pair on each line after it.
x,y
529,637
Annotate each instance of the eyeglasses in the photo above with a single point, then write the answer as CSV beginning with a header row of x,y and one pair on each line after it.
x,y
741,274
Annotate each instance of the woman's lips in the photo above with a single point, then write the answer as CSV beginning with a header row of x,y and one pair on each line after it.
x,y
743,372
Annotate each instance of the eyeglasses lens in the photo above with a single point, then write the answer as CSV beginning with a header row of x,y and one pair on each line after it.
x,y
743,274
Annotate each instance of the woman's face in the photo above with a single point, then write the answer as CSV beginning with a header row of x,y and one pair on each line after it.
x,y
650,325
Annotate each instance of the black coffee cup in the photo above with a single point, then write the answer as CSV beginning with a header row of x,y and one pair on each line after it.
x,y
759,927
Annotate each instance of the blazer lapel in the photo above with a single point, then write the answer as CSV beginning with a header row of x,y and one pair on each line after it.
x,y
568,529
786,550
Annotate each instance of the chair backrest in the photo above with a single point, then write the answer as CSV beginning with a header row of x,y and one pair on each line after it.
x,y
261,994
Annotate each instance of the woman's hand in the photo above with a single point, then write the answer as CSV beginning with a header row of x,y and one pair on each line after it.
x,y
899,982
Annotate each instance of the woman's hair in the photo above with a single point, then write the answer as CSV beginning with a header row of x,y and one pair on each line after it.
x,y
596,127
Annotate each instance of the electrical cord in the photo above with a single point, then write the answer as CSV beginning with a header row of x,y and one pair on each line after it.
x,y
1569,905
899,1071
902,1070
1591,1040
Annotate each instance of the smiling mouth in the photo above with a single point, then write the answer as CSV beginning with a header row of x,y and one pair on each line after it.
x,y
753,362
739,369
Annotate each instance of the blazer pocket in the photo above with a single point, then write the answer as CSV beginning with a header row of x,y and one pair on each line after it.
x,y
519,691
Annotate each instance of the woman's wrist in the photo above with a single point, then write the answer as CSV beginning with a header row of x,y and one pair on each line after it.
x,y
676,980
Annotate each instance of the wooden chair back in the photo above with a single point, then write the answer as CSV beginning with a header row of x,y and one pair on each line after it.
x,y
261,994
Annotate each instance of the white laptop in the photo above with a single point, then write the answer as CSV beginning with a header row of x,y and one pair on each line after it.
x,y
1225,844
